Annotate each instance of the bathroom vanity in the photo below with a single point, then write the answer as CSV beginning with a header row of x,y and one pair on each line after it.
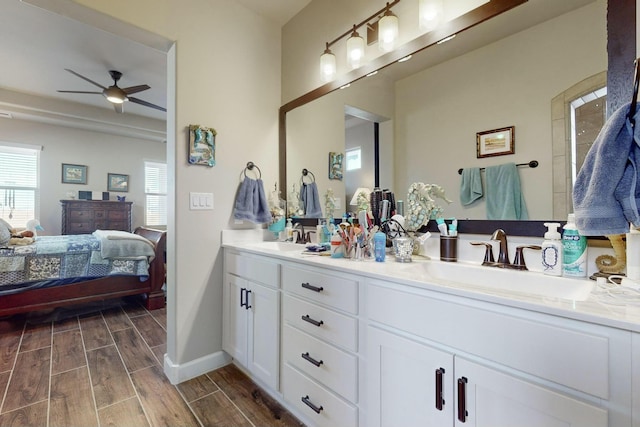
x,y
360,343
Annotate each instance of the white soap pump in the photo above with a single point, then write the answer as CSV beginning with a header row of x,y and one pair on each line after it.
x,y
552,250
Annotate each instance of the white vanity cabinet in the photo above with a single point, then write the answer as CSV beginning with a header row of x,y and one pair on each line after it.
x,y
320,344
251,315
452,362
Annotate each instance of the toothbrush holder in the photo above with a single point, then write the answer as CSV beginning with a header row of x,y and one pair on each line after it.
x,y
449,248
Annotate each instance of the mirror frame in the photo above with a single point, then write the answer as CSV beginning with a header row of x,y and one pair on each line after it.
x,y
621,54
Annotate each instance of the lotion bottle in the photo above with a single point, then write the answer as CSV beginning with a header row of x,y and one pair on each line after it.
x,y
288,231
574,250
552,250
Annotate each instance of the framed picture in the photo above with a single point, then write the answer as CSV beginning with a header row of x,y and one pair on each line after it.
x,y
496,142
117,182
74,174
335,165
202,145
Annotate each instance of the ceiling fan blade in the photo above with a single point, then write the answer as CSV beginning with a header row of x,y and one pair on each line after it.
x,y
135,89
84,78
118,108
78,91
146,104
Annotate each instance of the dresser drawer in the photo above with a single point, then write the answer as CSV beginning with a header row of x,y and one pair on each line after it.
x,y
78,227
321,322
117,214
98,214
330,410
81,214
334,291
254,268
336,369
118,225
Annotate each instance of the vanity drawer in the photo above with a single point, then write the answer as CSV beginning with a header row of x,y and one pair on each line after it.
x,y
253,268
330,410
334,291
335,328
337,369
576,358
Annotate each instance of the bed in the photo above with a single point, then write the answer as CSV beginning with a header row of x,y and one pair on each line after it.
x,y
112,279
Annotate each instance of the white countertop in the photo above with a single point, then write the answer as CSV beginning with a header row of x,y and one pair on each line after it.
x,y
597,309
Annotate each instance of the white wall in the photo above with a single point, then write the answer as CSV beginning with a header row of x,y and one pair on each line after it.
x,y
508,83
227,72
102,153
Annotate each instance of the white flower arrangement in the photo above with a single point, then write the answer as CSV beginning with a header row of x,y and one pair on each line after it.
x,y
421,204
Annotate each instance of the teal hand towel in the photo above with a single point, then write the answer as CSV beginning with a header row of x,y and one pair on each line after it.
x,y
470,186
504,195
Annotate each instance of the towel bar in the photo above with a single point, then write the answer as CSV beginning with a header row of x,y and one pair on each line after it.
x,y
531,164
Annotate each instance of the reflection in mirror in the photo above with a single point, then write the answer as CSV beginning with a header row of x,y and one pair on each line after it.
x,y
503,72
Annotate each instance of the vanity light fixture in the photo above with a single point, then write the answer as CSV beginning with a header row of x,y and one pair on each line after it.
x,y
387,30
384,20
327,65
355,49
430,14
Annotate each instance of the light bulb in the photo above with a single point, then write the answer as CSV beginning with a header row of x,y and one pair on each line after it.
x,y
355,49
430,12
387,31
327,66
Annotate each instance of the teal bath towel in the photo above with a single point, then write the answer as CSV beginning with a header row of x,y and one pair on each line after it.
x,y
504,195
471,186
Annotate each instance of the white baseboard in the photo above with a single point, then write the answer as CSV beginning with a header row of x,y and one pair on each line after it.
x,y
186,371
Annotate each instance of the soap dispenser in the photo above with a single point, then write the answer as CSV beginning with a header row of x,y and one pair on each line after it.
x,y
288,231
552,250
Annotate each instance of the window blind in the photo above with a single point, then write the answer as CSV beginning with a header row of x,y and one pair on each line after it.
x,y
155,178
19,192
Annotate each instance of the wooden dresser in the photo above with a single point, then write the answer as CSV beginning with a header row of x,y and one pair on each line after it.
x,y
86,216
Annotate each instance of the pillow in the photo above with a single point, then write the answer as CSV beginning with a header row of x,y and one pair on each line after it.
x,y
5,232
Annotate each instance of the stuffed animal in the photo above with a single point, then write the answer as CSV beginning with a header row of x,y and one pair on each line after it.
x,y
26,236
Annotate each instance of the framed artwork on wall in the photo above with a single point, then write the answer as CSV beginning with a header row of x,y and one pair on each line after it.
x,y
202,145
335,165
117,182
495,142
74,174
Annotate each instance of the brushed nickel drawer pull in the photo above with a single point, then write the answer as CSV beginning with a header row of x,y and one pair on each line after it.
x,y
318,323
311,360
306,285
307,402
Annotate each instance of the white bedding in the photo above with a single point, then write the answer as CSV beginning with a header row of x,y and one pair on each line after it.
x,y
121,244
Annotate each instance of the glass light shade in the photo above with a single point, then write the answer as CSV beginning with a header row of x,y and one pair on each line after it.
x,y
430,12
115,95
387,32
355,50
327,66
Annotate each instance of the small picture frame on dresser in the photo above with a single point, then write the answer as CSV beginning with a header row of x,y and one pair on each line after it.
x,y
74,174
117,182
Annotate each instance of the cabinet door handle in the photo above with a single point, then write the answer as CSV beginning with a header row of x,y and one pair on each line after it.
x,y
242,297
439,396
246,302
306,285
306,401
306,318
462,402
311,360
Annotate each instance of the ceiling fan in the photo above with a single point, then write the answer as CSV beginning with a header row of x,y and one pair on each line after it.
x,y
114,94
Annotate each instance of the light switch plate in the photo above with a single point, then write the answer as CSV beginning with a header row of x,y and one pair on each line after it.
x,y
200,201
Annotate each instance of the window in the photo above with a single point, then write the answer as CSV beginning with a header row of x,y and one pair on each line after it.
x,y
155,184
19,190
354,158
588,115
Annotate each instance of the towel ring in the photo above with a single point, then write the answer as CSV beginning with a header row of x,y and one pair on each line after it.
x,y
306,172
250,166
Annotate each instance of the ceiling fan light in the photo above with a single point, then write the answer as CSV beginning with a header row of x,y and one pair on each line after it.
x,y
431,13
355,49
114,94
327,66
387,31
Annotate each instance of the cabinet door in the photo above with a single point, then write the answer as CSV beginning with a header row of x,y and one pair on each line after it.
x,y
234,332
405,378
264,334
493,398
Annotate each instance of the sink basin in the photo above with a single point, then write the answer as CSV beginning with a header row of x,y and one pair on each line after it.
x,y
278,246
526,282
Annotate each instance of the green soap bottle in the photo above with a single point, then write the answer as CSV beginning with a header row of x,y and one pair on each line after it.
x,y
574,250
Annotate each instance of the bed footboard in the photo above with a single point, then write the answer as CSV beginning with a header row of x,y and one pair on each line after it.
x,y
155,298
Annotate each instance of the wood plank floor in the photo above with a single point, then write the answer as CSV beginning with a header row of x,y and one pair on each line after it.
x,y
102,366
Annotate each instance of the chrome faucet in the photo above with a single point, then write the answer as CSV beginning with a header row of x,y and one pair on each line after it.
x,y
503,256
298,230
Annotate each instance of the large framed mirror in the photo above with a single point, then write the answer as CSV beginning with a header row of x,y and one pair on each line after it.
x,y
505,71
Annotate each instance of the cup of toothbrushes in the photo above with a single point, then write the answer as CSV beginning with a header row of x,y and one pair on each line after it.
x,y
448,248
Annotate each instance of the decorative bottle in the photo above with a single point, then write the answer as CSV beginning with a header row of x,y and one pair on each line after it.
x,y
552,250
